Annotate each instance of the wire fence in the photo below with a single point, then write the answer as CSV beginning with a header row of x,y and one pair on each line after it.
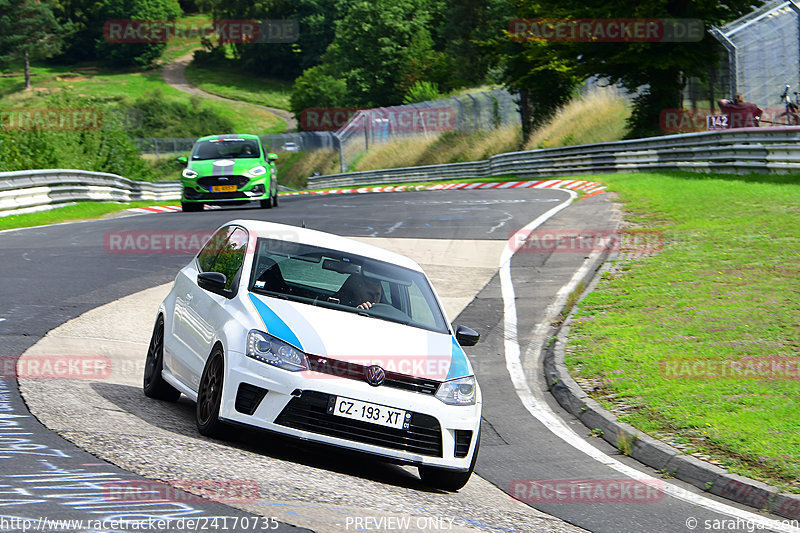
x,y
483,110
761,55
306,141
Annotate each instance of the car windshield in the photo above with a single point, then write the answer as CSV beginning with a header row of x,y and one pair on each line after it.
x,y
341,281
226,149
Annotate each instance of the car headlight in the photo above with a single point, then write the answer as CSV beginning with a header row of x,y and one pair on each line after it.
x,y
268,349
258,171
188,173
459,391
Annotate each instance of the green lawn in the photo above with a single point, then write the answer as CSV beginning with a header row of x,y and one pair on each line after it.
x,y
79,211
724,288
231,83
109,87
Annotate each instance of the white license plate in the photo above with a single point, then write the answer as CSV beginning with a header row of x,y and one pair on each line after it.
x,y
369,412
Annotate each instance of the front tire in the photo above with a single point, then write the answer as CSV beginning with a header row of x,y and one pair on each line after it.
x,y
209,395
153,384
275,199
443,479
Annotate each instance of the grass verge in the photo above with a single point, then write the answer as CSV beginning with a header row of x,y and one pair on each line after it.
x,y
68,213
723,290
229,82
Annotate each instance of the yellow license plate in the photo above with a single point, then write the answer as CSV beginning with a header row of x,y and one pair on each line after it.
x,y
223,188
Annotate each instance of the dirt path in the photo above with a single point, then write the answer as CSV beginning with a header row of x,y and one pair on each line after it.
x,y
174,74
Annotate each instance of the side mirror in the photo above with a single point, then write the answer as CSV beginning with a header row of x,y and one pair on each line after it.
x,y
212,282
182,159
467,336
272,157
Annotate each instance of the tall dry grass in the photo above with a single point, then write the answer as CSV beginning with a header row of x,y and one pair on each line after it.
x,y
449,147
295,168
598,116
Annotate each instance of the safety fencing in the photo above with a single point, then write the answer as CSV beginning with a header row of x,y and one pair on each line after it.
x,y
31,190
749,150
482,110
303,141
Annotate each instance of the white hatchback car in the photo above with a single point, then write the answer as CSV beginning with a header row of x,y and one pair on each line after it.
x,y
323,338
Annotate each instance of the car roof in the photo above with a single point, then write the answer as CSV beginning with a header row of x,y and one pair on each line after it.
x,y
272,230
228,137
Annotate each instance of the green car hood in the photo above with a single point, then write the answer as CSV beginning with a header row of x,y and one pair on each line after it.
x,y
226,167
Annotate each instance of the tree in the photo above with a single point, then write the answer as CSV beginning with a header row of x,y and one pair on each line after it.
x,y
373,49
87,26
316,87
28,30
315,19
543,78
135,54
465,34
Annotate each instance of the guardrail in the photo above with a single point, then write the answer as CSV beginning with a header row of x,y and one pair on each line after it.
x,y
28,190
744,151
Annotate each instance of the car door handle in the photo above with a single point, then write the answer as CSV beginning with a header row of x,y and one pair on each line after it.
x,y
189,297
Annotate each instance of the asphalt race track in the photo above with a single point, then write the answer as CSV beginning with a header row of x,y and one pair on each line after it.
x,y
52,275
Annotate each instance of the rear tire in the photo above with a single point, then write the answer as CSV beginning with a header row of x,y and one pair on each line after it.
x,y
191,207
153,384
443,479
209,395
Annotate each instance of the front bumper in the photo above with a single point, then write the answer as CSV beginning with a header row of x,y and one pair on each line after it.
x,y
200,189
298,404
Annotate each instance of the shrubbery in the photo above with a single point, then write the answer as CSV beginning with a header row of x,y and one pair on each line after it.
x,y
158,117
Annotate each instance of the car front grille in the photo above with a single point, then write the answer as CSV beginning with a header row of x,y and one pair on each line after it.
x,y
209,181
309,412
347,370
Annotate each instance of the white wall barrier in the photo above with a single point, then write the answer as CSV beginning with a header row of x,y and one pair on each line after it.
x,y
29,190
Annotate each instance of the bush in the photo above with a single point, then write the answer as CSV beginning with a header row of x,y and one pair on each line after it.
x,y
159,117
422,91
317,88
106,149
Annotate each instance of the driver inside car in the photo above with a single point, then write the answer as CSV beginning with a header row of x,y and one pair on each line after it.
x,y
360,291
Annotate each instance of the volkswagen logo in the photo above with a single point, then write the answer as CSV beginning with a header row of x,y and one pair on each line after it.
x,y
375,375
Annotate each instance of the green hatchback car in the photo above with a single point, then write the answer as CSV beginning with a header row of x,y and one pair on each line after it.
x,y
230,169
